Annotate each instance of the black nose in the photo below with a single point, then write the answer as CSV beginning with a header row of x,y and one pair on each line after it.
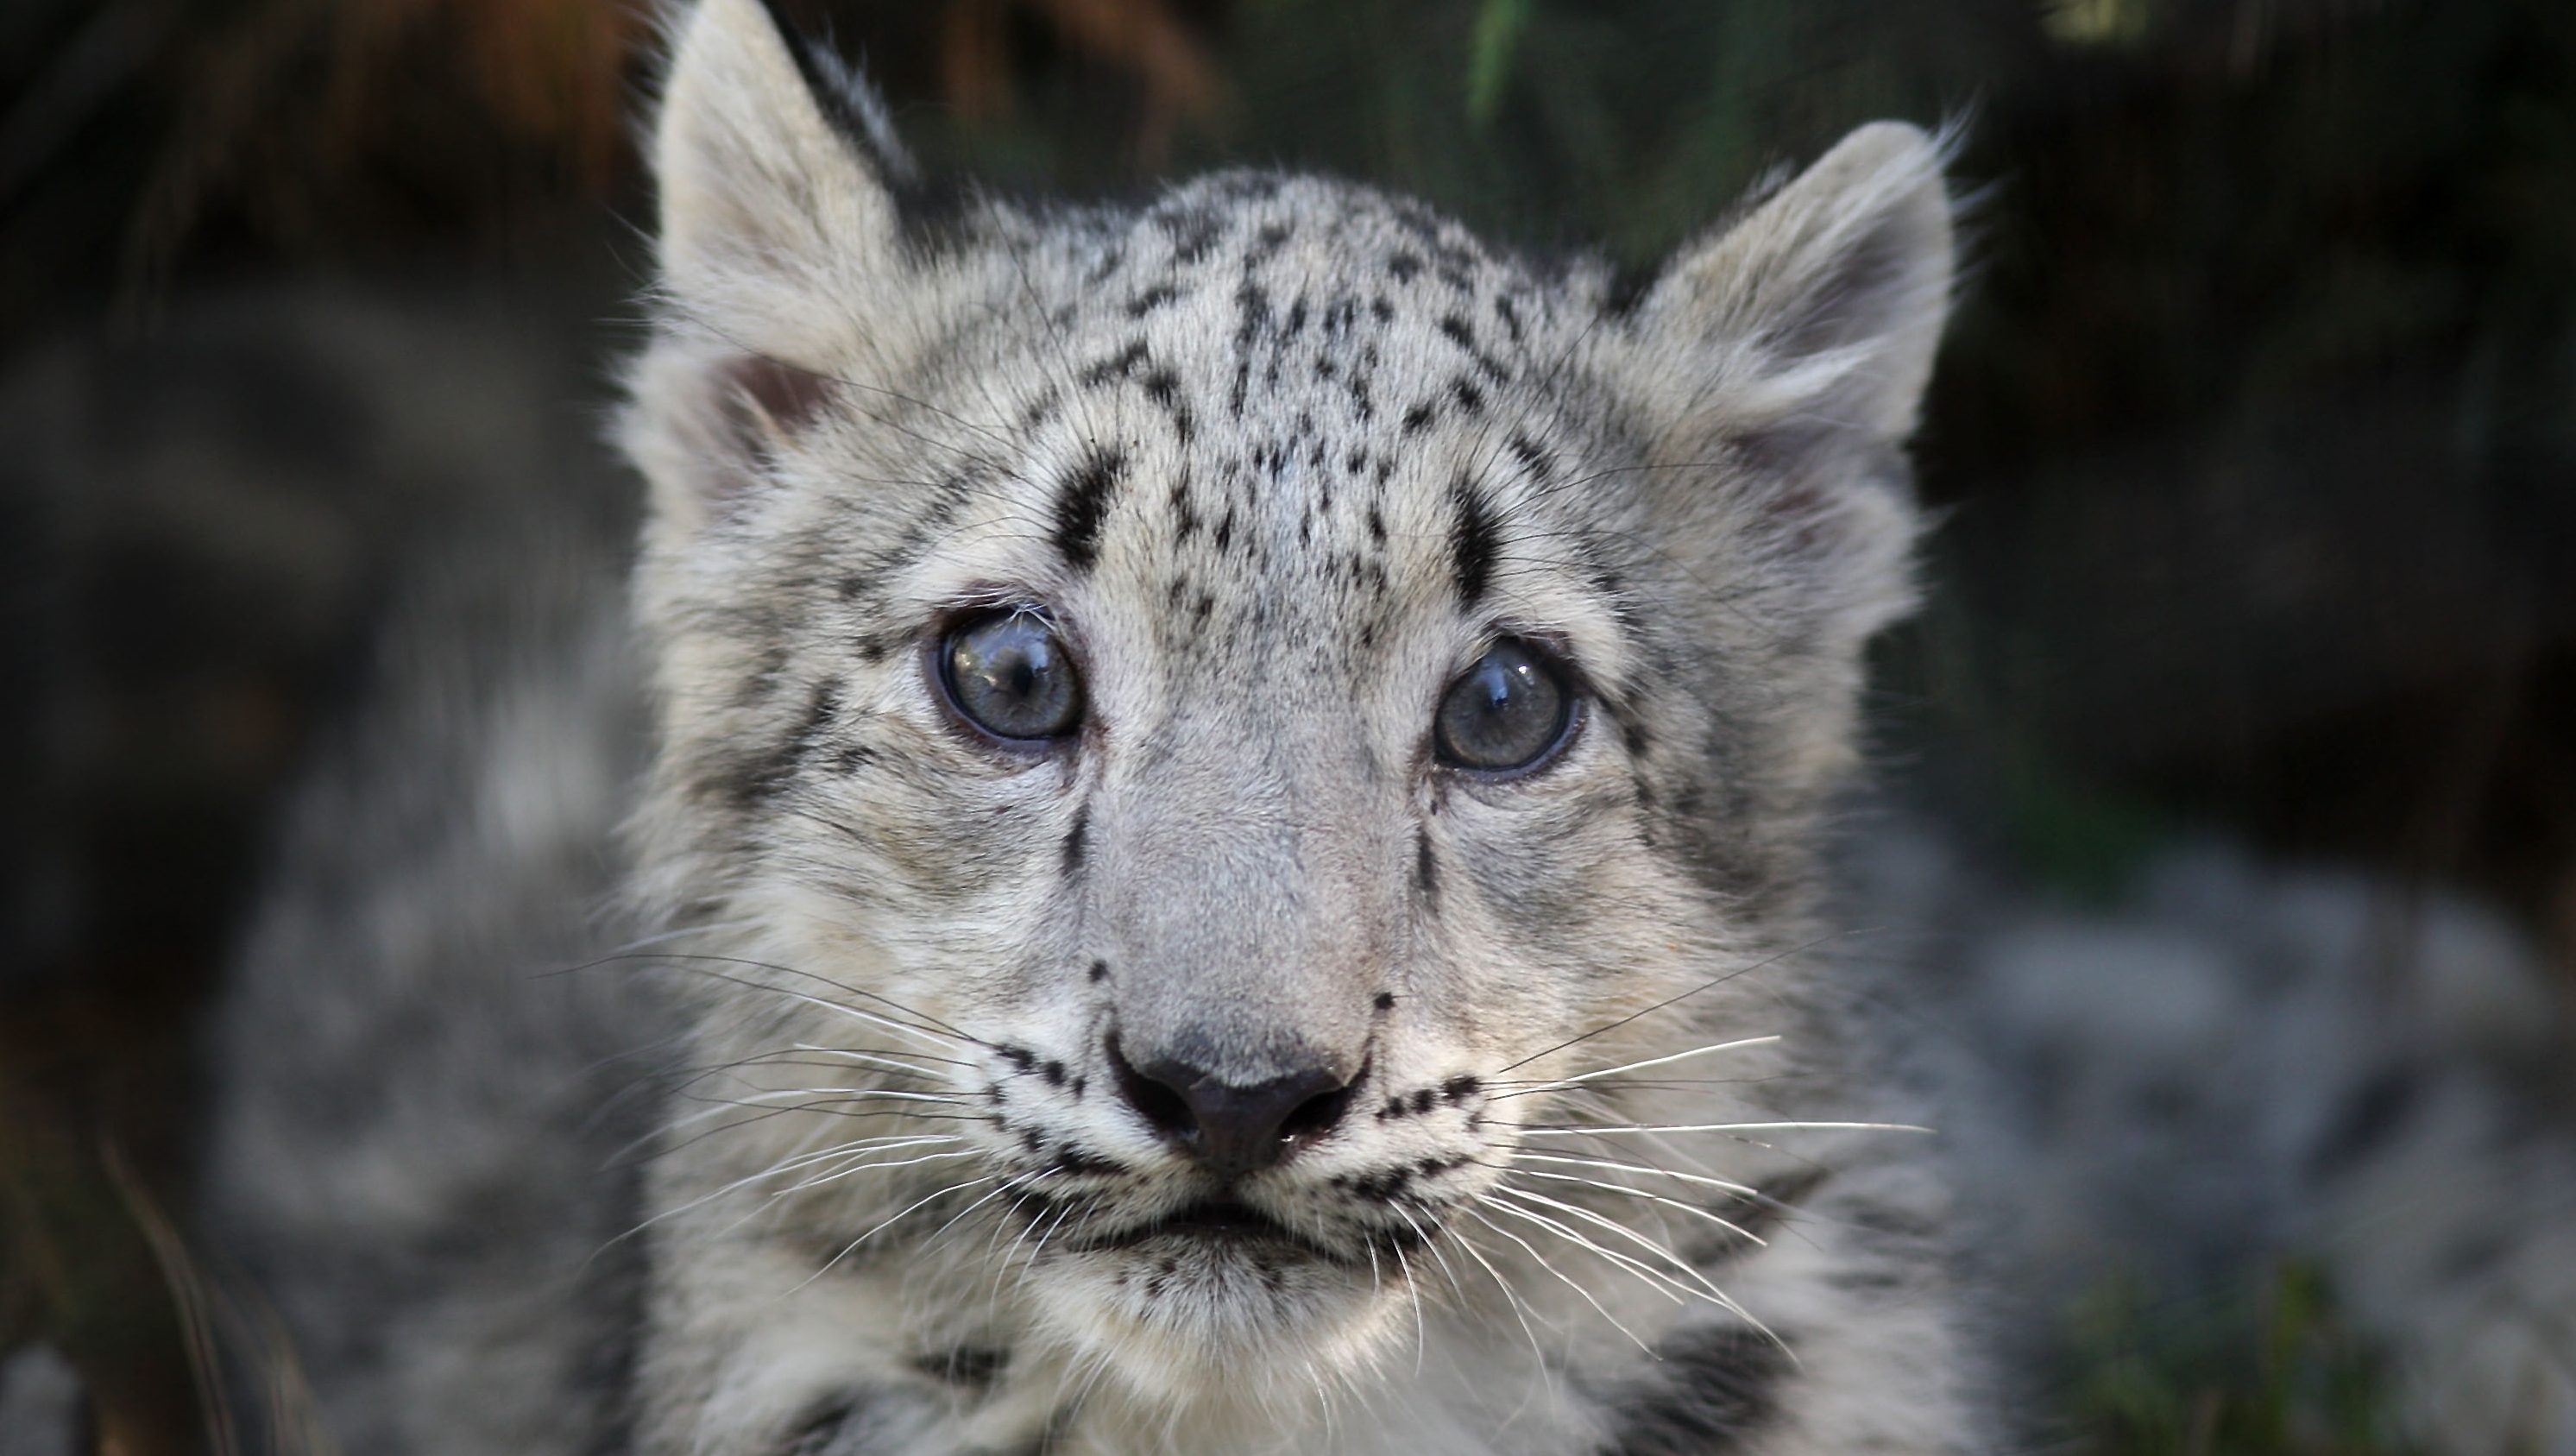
x,y
1232,1129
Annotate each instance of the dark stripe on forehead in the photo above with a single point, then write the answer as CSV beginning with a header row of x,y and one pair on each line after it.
x,y
1082,504
1473,541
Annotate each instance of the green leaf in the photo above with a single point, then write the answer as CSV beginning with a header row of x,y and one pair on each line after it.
x,y
1489,56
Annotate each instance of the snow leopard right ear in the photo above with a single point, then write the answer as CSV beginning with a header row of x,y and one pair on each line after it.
x,y
777,166
781,249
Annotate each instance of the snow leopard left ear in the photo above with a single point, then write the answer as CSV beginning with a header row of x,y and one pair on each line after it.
x,y
1788,352
781,249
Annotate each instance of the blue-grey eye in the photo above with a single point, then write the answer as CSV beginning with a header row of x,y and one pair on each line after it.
x,y
1507,712
1009,674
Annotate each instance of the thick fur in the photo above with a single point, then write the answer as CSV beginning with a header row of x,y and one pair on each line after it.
x,y
1279,456
414,1167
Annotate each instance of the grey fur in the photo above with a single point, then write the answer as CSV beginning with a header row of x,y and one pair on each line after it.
x,y
414,1142
1280,456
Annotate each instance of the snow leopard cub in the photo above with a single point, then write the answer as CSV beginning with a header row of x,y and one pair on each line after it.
x,y
1235,796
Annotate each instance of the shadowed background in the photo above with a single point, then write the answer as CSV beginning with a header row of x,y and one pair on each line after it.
x,y
2254,443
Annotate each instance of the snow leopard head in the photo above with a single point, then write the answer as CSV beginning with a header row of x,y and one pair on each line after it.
x,y
1185,728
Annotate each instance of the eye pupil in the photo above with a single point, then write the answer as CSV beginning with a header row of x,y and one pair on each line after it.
x,y
1008,674
1508,711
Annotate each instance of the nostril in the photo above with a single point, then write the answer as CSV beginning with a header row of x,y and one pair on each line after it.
x,y
1164,1109
1316,1116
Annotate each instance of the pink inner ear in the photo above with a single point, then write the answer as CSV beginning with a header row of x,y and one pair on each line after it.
x,y
785,397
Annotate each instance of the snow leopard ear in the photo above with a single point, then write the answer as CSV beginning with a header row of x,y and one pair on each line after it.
x,y
776,164
781,248
1794,343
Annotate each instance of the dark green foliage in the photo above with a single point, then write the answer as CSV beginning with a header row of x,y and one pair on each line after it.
x,y
2275,1373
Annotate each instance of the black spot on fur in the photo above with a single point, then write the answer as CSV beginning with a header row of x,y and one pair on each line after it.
x,y
1711,1393
768,774
1405,265
1078,1162
1473,542
1537,462
1470,398
1459,1089
1082,504
1420,417
1632,727
1426,865
1116,366
1151,299
1385,1001
813,1435
1193,232
1458,331
1627,290
1252,310
1077,841
975,1366
1099,971
1163,387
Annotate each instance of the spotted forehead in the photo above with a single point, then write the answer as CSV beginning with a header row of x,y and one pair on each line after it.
x,y
1277,398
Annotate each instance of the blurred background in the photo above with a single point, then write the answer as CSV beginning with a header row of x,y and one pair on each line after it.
x,y
2253,446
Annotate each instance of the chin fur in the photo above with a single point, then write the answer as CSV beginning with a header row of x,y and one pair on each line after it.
x,y
1176,1321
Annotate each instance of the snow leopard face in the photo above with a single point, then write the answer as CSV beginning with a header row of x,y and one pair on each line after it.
x,y
1185,730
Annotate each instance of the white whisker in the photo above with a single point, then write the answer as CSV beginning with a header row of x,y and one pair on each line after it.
x,y
899,1215
1609,1187
1586,1130
1723,1046
1699,1280
1742,1190
1532,1251
1509,1297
